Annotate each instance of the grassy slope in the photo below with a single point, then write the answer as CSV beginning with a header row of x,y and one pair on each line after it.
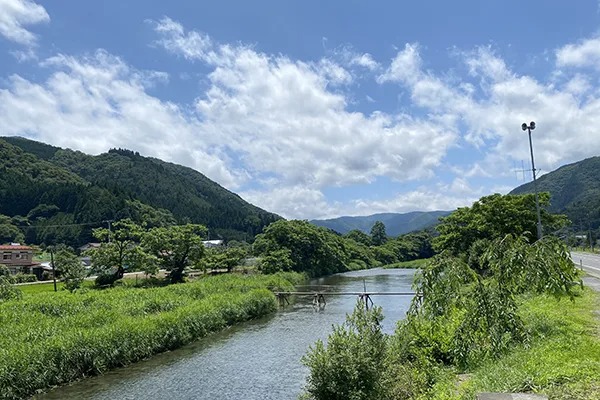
x,y
562,360
419,263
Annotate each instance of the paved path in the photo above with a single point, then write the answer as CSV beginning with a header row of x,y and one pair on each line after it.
x,y
589,262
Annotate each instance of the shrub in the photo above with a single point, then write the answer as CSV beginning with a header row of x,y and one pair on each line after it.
x,y
23,278
106,279
349,367
8,291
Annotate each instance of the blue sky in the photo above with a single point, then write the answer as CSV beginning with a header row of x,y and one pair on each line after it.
x,y
312,109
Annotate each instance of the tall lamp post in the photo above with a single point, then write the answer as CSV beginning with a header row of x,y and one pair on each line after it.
x,y
529,128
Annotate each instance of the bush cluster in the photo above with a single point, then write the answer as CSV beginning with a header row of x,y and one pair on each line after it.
x,y
21,278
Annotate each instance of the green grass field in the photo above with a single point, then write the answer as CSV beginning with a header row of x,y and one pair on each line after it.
x,y
562,359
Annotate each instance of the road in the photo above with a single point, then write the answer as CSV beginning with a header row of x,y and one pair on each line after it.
x,y
589,262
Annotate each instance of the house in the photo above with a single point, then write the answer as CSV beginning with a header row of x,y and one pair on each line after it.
x,y
212,243
19,259
89,246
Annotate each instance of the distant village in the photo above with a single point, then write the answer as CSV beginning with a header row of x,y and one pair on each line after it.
x,y
20,259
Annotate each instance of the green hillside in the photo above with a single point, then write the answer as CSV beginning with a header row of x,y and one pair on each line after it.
x,y
67,187
574,190
395,224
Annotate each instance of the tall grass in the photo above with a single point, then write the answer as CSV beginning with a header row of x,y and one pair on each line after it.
x,y
49,339
562,360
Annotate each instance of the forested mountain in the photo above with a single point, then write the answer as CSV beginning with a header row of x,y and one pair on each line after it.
x,y
395,224
574,190
59,195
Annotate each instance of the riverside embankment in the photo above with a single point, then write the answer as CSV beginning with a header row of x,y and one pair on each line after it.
x,y
49,339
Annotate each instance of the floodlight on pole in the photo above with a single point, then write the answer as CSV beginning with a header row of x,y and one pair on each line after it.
x,y
529,128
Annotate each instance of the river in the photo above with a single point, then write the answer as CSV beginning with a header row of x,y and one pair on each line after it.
x,y
255,360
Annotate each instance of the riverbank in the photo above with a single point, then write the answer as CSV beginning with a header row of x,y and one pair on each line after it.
x,y
561,360
412,264
50,339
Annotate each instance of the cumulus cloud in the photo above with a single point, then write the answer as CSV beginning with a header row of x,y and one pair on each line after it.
x,y
15,15
262,118
96,102
298,202
281,117
364,60
490,116
583,54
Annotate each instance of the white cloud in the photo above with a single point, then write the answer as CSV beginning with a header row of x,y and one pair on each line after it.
x,y
300,202
97,102
405,67
350,58
583,54
578,85
15,14
334,73
295,202
485,64
567,118
262,118
365,60
191,45
279,115
422,199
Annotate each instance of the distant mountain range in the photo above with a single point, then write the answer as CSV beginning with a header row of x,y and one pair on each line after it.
x,y
574,190
60,195
395,223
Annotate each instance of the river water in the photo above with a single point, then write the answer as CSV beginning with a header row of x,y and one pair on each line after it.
x,y
257,360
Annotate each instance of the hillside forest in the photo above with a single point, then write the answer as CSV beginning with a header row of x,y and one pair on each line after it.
x,y
50,195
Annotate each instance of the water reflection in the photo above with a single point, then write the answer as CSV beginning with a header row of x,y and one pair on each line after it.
x,y
255,360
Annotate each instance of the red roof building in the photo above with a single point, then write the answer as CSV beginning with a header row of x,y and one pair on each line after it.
x,y
18,259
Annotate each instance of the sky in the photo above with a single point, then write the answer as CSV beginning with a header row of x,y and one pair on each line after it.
x,y
313,108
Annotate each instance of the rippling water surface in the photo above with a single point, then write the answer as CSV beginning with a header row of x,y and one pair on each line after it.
x,y
254,360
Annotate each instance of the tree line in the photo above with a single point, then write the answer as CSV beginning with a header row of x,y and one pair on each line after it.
x,y
467,310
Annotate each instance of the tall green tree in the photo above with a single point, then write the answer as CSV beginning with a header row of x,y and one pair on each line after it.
x,y
9,232
312,249
176,247
378,234
70,267
359,237
120,249
223,258
493,217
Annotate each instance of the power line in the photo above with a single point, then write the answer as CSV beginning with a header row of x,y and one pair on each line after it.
x,y
57,226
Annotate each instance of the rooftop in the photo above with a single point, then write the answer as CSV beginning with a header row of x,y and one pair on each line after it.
x,y
14,247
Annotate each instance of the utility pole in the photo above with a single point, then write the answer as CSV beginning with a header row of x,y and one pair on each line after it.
x,y
529,128
591,241
53,267
108,221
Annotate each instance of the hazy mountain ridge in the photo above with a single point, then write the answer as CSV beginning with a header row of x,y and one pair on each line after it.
x,y
395,223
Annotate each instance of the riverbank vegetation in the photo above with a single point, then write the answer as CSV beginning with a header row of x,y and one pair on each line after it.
x,y
48,339
561,358
302,247
486,297
413,264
